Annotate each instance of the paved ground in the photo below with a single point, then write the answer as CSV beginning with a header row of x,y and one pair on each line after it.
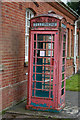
x,y
71,110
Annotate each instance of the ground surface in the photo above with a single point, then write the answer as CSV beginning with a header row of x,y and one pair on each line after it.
x,y
71,110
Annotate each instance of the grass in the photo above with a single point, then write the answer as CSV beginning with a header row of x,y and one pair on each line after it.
x,y
73,83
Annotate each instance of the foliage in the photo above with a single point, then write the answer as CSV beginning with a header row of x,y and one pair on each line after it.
x,y
73,83
75,6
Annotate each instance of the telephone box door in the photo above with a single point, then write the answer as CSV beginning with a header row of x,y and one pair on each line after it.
x,y
43,68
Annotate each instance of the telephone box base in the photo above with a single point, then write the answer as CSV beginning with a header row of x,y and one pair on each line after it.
x,y
38,108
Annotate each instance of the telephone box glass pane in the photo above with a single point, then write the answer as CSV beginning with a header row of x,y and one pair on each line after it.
x,y
51,94
34,45
34,53
34,36
40,37
63,53
64,46
63,68
42,93
63,60
62,84
44,37
40,45
62,76
64,39
62,91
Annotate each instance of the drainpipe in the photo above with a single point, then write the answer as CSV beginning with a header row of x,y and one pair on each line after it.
x,y
75,37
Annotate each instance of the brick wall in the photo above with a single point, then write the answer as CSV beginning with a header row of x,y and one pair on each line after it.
x,y
0,57
69,67
14,80
77,61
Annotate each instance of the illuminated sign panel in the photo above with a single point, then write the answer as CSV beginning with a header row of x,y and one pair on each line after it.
x,y
45,24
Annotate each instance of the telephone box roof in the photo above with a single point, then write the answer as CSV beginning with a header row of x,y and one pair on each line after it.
x,y
49,15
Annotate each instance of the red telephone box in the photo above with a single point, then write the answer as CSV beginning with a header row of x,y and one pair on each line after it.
x,y
47,60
